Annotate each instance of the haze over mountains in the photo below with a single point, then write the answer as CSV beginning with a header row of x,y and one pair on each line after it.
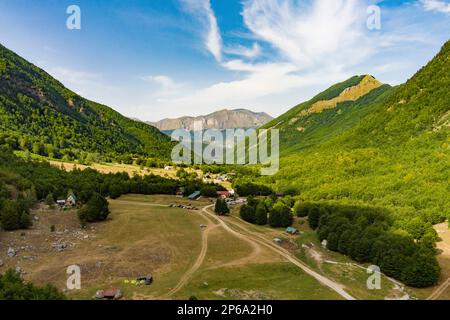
x,y
223,119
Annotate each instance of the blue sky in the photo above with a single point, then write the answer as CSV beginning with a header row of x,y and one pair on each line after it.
x,y
152,59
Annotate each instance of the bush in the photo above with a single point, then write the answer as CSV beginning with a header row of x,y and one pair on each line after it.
x,y
14,215
421,271
250,189
261,214
95,210
314,217
49,200
280,216
248,213
300,209
209,191
115,191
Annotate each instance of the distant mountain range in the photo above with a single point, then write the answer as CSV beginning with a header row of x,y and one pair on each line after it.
x,y
223,119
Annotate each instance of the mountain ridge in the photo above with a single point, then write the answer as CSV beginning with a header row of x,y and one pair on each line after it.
x,y
221,119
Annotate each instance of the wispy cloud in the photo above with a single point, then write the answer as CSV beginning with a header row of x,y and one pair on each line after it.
x,y
162,80
436,5
202,10
309,39
243,51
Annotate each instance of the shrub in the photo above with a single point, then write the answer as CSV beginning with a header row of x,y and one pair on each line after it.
x,y
248,213
209,191
12,287
314,217
261,214
300,209
49,200
280,216
95,210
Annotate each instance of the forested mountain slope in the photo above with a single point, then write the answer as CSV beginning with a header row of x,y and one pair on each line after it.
x,y
389,148
329,113
37,113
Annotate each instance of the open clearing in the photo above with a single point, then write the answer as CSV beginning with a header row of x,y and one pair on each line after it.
x,y
144,236
227,259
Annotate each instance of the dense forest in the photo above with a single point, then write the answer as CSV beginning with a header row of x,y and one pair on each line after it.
x,y
38,114
396,156
388,149
404,249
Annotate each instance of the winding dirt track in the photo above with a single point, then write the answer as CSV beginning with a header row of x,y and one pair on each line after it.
x,y
255,237
198,261
436,294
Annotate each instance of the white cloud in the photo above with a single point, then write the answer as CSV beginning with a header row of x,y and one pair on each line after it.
x,y
243,51
302,47
436,5
202,10
314,44
310,35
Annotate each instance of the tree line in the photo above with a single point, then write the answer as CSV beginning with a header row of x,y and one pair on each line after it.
x,y
277,212
23,183
371,235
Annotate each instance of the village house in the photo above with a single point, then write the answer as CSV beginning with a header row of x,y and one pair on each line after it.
x,y
292,231
195,195
71,200
224,194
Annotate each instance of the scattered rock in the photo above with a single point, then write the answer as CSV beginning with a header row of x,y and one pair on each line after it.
x,y
1,263
28,258
99,294
19,270
60,246
36,218
11,252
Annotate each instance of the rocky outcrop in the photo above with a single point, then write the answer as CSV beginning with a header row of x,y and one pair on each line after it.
x,y
224,119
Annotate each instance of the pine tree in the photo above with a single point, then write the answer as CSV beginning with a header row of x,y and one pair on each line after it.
x,y
221,207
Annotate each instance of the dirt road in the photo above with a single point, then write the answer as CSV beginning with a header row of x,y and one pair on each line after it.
x,y
198,262
257,238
